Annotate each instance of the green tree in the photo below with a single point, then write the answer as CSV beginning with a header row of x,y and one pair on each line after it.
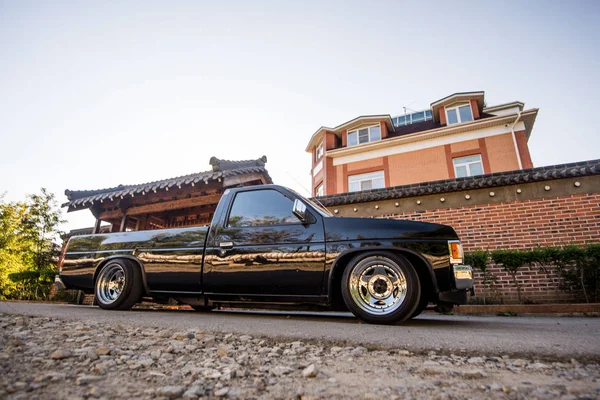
x,y
13,246
29,246
40,226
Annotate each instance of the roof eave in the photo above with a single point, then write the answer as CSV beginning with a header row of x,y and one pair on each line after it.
x,y
458,94
313,139
503,106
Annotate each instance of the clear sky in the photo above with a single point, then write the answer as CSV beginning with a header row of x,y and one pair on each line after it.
x,y
98,93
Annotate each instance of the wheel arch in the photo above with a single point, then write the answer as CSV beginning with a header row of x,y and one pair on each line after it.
x,y
422,267
131,258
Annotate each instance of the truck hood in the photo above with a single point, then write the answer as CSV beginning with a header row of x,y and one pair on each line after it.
x,y
338,229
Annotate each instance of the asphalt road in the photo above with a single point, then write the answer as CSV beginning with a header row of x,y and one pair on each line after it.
x,y
544,337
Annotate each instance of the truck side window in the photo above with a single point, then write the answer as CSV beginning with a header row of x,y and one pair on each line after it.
x,y
261,207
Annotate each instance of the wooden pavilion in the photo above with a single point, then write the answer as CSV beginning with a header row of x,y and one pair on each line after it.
x,y
188,200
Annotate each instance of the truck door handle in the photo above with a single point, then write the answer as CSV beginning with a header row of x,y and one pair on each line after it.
x,y
226,245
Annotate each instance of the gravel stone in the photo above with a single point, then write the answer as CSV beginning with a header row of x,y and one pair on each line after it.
x,y
310,372
538,366
86,379
102,351
359,351
473,374
476,360
170,392
519,363
193,392
60,354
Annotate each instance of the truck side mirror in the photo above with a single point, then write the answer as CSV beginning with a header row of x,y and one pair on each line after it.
x,y
299,211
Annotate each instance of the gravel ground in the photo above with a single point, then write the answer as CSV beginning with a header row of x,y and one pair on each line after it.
x,y
519,337
51,358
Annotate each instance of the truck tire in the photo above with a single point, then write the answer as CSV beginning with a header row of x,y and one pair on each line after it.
x,y
423,302
381,287
118,285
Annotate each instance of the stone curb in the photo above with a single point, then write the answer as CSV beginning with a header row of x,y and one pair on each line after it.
x,y
592,308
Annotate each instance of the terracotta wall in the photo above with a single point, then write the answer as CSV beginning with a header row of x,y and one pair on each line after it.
x,y
418,166
523,150
501,153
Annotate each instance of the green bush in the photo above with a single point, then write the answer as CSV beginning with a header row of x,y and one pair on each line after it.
x,y
479,260
512,261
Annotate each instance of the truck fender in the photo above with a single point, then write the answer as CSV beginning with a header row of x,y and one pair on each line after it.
x,y
126,257
336,263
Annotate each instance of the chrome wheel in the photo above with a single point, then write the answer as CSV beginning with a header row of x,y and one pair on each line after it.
x,y
110,284
378,285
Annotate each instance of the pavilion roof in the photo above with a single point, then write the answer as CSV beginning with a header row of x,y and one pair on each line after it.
x,y
221,169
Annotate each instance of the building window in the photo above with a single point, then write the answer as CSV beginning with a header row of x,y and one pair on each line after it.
x,y
459,114
364,135
413,118
468,166
373,180
319,190
319,152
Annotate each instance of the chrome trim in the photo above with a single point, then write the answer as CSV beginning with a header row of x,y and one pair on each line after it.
x,y
463,276
59,283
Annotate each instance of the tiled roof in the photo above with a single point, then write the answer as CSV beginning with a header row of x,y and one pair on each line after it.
x,y
226,165
572,170
220,169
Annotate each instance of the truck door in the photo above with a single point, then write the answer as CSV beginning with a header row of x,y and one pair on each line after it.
x,y
263,248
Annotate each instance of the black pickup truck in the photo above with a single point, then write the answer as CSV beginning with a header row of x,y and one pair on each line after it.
x,y
269,247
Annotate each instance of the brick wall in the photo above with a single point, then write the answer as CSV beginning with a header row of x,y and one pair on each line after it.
x,y
521,224
537,286
572,219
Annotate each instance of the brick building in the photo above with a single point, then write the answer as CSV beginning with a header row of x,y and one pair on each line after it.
x,y
458,136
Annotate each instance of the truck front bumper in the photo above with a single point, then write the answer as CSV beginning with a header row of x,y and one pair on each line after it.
x,y
59,283
463,277
463,283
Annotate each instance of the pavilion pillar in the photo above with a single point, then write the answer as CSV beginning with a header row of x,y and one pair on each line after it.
x,y
142,223
96,226
123,224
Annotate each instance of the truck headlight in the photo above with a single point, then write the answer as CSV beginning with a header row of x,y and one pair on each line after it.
x,y
456,252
